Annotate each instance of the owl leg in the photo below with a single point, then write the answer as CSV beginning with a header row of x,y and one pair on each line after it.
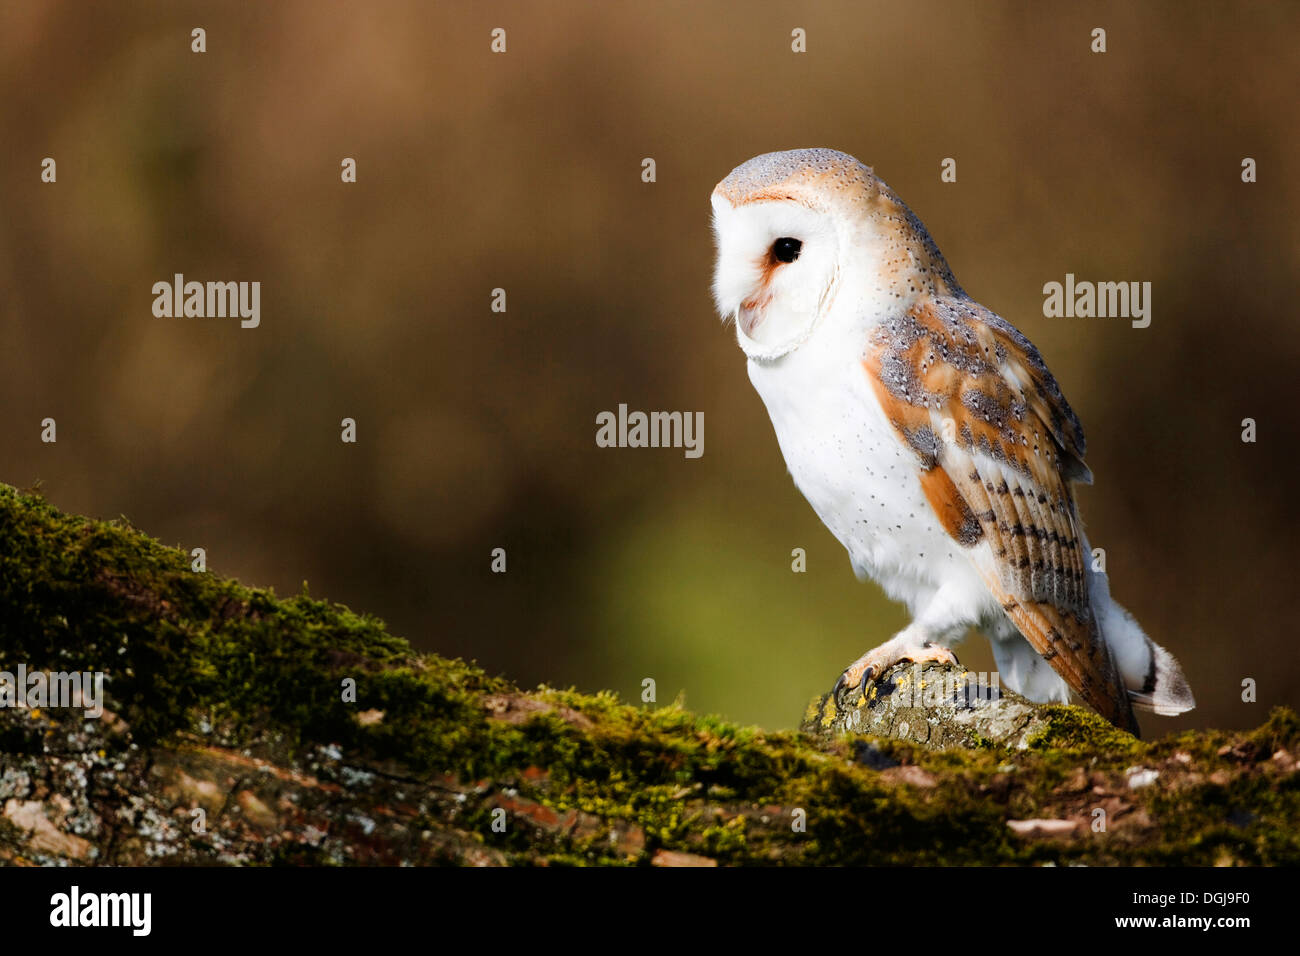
x,y
904,647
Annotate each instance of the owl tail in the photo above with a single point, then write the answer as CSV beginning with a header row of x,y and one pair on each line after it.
x,y
1154,680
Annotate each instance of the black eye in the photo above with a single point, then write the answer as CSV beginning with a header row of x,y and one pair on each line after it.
x,y
786,249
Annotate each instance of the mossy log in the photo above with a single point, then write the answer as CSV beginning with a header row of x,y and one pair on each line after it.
x,y
227,738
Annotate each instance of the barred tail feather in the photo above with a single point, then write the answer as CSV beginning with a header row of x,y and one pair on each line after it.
x,y
1169,694
1153,677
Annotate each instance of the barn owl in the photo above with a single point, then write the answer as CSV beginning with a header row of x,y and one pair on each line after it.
x,y
927,433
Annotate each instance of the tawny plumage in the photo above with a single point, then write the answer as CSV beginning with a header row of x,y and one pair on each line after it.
x,y
952,359
926,431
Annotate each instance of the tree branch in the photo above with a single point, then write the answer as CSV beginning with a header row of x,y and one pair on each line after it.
x,y
227,737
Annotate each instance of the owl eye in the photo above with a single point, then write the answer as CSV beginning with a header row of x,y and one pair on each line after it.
x,y
786,249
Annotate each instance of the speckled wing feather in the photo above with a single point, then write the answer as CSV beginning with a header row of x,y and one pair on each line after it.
x,y
998,446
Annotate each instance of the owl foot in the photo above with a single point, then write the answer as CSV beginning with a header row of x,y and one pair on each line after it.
x,y
876,661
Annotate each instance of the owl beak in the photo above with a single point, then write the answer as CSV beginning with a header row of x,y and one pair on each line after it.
x,y
748,318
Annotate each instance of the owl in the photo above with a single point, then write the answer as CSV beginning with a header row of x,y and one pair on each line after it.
x,y
927,433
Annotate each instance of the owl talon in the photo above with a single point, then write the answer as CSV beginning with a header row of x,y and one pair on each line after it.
x,y
852,679
873,664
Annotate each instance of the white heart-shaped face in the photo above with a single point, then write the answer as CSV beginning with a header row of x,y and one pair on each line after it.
x,y
776,263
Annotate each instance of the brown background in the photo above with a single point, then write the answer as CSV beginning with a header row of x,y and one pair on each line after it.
x,y
522,171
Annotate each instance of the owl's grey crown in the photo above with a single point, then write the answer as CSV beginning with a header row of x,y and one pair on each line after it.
x,y
773,175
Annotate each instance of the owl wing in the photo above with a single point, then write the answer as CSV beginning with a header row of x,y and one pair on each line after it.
x,y
998,447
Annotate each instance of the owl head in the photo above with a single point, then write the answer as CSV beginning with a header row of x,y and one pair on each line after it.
x,y
794,229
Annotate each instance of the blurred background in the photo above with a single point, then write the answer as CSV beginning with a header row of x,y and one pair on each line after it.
x,y
522,170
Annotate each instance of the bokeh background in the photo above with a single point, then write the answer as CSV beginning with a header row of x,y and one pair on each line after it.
x,y
522,171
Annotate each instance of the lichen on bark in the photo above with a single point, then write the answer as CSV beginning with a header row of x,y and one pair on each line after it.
x,y
227,739
940,706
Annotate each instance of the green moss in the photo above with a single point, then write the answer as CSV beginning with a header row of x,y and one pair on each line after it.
x,y
195,654
1280,732
1075,730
